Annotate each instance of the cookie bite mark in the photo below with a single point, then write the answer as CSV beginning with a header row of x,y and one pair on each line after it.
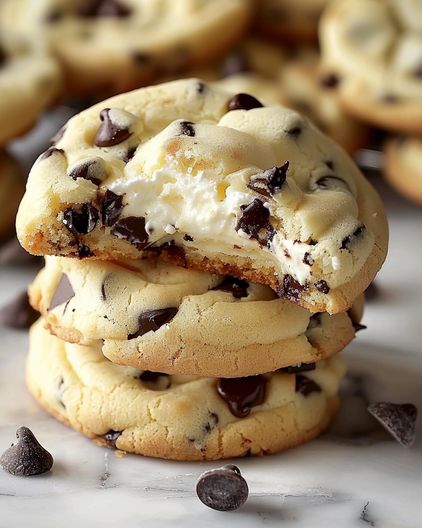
x,y
241,394
306,386
103,8
92,169
115,127
152,320
132,229
242,101
64,292
111,206
255,222
270,181
237,287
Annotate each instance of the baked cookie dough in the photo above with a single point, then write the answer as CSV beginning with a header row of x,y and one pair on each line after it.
x,y
403,166
372,48
179,417
210,181
152,315
111,46
12,187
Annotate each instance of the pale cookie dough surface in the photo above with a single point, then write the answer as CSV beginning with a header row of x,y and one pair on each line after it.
x,y
403,166
177,417
260,194
30,81
160,317
374,48
112,46
12,187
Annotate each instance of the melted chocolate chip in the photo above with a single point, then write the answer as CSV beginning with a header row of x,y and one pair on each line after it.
x,y
111,206
398,419
18,313
92,170
187,238
103,8
82,222
270,181
109,133
291,288
244,101
350,238
50,152
237,287
131,229
111,438
222,489
255,222
84,251
306,386
64,292
235,63
27,457
241,394
187,128
295,369
329,80
322,286
152,320
308,259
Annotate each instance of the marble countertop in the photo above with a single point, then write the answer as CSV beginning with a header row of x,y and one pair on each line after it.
x,y
351,477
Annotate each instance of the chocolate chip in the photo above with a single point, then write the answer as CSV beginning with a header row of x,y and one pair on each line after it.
x,y
18,313
308,259
187,128
350,238
82,222
129,155
291,288
103,8
131,229
211,423
84,251
331,182
222,489
306,386
64,292
152,320
110,133
187,238
27,457
91,169
398,419
201,87
241,394
322,286
255,222
330,164
236,62
270,181
237,287
149,376
295,369
50,152
58,136
294,131
329,80
111,206
111,438
243,101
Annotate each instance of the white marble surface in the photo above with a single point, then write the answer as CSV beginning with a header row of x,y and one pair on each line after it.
x,y
353,476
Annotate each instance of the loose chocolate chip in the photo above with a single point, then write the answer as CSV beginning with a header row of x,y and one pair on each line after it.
x,y
27,457
187,238
211,423
294,131
187,128
295,369
308,259
350,238
91,169
237,287
111,437
398,419
235,63
291,288
270,181
58,136
329,80
222,489
103,8
18,313
49,152
111,206
152,320
131,229
255,222
306,386
322,286
243,101
149,376
110,133
64,292
241,394
82,222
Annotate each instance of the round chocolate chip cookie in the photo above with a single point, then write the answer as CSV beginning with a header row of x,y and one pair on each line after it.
x,y
110,46
152,315
29,82
373,49
12,187
179,417
211,181
403,166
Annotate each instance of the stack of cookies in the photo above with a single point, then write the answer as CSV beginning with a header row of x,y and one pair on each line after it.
x,y
206,259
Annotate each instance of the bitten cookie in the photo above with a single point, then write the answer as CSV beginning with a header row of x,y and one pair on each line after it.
x,y
111,46
211,181
373,50
179,417
12,188
29,82
403,166
152,315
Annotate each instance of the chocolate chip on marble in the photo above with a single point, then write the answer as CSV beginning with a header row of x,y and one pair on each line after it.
x,y
222,489
50,152
243,101
81,222
111,206
291,288
398,419
110,132
308,259
91,169
152,320
301,367
63,293
237,287
329,80
322,286
255,222
103,8
270,181
241,394
306,386
27,457
187,238
236,62
132,229
111,437
186,128
18,313
345,244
